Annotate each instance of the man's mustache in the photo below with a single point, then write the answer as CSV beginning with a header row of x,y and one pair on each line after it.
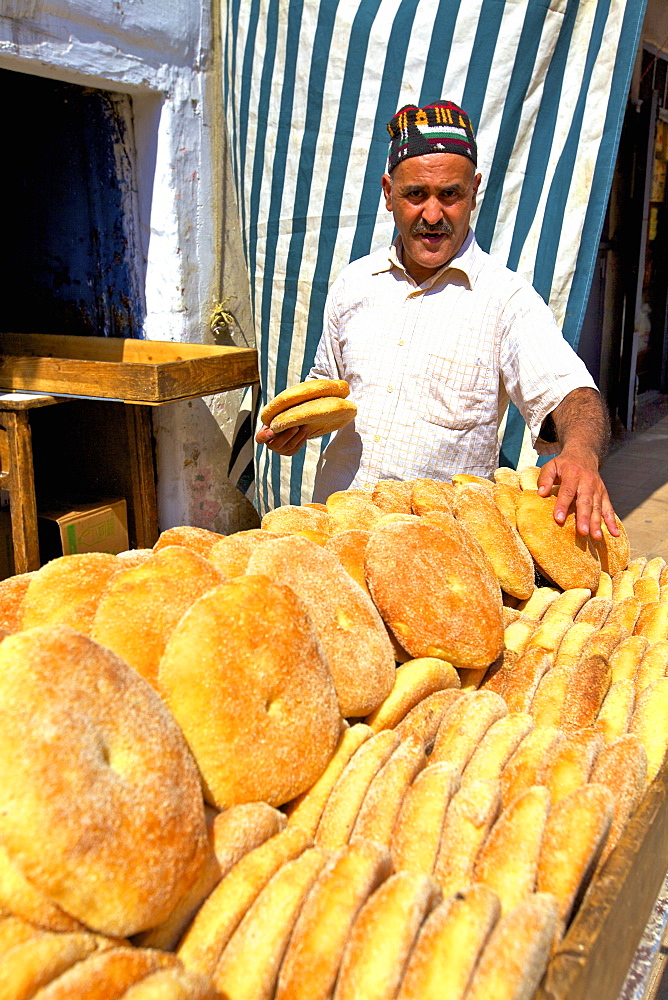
x,y
442,227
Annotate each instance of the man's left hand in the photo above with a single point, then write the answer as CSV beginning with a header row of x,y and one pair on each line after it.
x,y
580,486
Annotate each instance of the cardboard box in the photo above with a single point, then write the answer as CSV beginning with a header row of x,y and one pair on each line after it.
x,y
6,544
101,526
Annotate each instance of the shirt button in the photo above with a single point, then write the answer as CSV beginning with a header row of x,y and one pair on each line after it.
x,y
376,438
401,343
390,388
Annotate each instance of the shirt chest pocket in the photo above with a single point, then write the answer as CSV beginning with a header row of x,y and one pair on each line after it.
x,y
458,392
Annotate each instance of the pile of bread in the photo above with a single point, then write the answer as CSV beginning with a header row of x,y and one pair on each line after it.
x,y
361,752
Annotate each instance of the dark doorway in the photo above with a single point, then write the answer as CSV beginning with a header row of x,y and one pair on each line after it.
x,y
72,261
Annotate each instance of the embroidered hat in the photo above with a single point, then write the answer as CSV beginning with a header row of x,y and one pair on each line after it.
x,y
441,127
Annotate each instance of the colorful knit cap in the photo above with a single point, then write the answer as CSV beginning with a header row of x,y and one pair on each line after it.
x,y
441,127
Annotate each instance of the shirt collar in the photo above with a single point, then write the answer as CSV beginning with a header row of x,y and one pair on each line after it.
x,y
467,260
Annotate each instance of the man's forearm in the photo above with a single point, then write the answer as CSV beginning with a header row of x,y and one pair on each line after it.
x,y
581,421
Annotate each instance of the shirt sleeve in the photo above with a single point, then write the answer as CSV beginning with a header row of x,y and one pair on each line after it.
x,y
328,361
538,366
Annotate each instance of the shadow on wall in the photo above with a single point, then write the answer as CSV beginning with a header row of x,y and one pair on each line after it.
x,y
193,446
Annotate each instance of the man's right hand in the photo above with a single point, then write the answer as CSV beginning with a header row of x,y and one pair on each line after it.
x,y
286,443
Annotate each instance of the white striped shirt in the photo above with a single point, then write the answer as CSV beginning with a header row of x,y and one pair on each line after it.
x,y
432,367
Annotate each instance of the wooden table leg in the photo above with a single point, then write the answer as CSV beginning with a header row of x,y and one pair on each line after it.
x,y
144,494
21,485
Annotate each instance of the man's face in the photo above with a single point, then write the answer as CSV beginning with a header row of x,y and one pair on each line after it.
x,y
431,198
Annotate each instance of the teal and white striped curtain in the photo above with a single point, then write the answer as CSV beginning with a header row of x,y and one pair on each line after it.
x,y
309,87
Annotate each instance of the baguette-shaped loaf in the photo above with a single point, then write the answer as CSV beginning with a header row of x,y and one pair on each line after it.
x,y
468,820
523,679
414,680
306,810
622,585
508,860
587,687
574,837
595,611
417,834
314,953
517,952
425,719
233,833
541,599
648,722
248,966
449,945
615,715
626,658
464,725
383,935
221,913
497,746
653,665
523,768
568,764
621,767
625,613
344,802
106,972
381,805
37,960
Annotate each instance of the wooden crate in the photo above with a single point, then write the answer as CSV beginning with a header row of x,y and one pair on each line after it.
x,y
594,957
134,371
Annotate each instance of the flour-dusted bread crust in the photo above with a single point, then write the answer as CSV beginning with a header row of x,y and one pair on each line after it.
x,y
345,800
449,946
67,590
510,558
246,679
575,835
23,900
293,519
306,810
249,964
350,512
614,552
198,539
383,935
312,961
12,592
221,914
508,860
139,610
414,681
303,392
564,556
107,972
622,767
517,952
230,555
393,496
350,549
382,803
232,834
432,494
433,594
417,835
355,642
320,416
101,804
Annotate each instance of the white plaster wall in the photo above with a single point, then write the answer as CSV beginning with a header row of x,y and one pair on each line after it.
x,y
165,54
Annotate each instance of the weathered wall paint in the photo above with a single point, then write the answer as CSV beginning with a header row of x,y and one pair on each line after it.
x,y
165,57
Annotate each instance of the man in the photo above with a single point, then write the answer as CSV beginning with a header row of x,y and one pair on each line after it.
x,y
434,337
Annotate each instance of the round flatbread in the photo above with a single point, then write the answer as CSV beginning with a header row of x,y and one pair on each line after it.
x,y
321,416
313,388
